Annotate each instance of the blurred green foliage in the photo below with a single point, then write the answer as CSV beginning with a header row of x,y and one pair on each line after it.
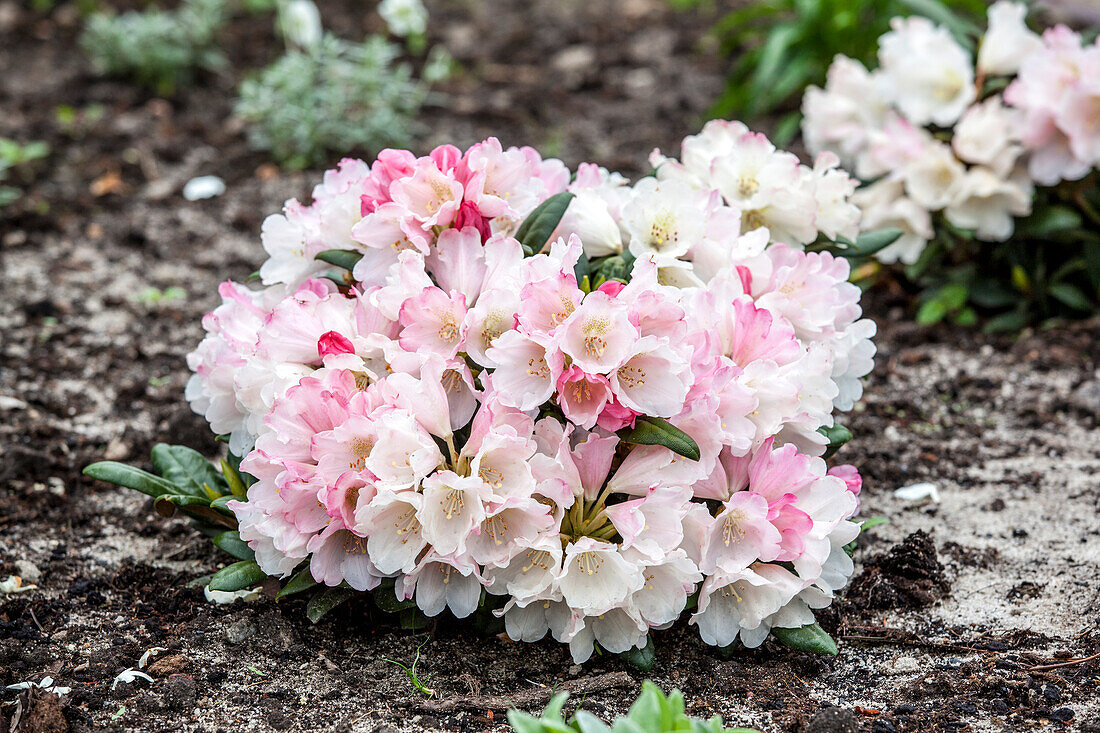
x,y
155,48
14,158
779,47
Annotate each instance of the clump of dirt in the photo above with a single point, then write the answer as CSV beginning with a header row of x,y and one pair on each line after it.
x,y
909,575
36,712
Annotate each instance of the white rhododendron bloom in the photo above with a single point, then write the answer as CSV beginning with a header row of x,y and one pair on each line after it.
x,y
930,76
930,134
1007,41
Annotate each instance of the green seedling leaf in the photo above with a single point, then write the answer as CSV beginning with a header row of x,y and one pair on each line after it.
x,y
131,478
243,574
810,638
324,602
641,659
411,673
658,431
536,229
232,543
300,582
345,258
187,469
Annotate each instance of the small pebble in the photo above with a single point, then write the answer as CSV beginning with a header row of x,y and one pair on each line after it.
x,y
203,187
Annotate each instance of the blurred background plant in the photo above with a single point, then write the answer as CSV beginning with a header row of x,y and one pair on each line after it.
x,y
157,49
16,161
323,96
1049,269
328,96
778,47
334,97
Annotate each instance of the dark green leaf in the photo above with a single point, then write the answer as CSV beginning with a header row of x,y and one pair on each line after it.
x,y
131,478
1011,321
243,574
186,468
1050,220
324,602
658,431
387,601
345,258
221,503
989,293
868,243
641,659
301,582
536,229
1072,296
810,638
837,435
232,543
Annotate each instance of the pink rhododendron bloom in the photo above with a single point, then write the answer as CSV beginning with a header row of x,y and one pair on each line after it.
x,y
457,415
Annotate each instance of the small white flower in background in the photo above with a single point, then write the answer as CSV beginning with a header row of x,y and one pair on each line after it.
x,y
932,179
404,17
14,584
203,187
46,685
989,134
1008,39
127,676
987,203
222,597
930,74
919,492
300,22
149,654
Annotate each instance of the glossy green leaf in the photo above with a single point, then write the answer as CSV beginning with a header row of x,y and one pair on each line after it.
x,y
221,503
234,481
345,258
536,229
131,478
810,638
243,574
186,468
930,312
302,581
232,543
641,659
658,431
325,601
837,435
868,243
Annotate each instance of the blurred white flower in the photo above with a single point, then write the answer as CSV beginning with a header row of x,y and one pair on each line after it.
x,y
301,23
931,75
404,17
988,134
987,203
1008,39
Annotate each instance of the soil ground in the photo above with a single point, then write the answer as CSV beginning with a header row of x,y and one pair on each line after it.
x,y
967,614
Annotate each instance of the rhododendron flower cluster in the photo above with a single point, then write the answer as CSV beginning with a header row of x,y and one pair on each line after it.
x,y
466,411
932,134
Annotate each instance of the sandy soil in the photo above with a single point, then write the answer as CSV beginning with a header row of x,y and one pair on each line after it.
x,y
974,625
